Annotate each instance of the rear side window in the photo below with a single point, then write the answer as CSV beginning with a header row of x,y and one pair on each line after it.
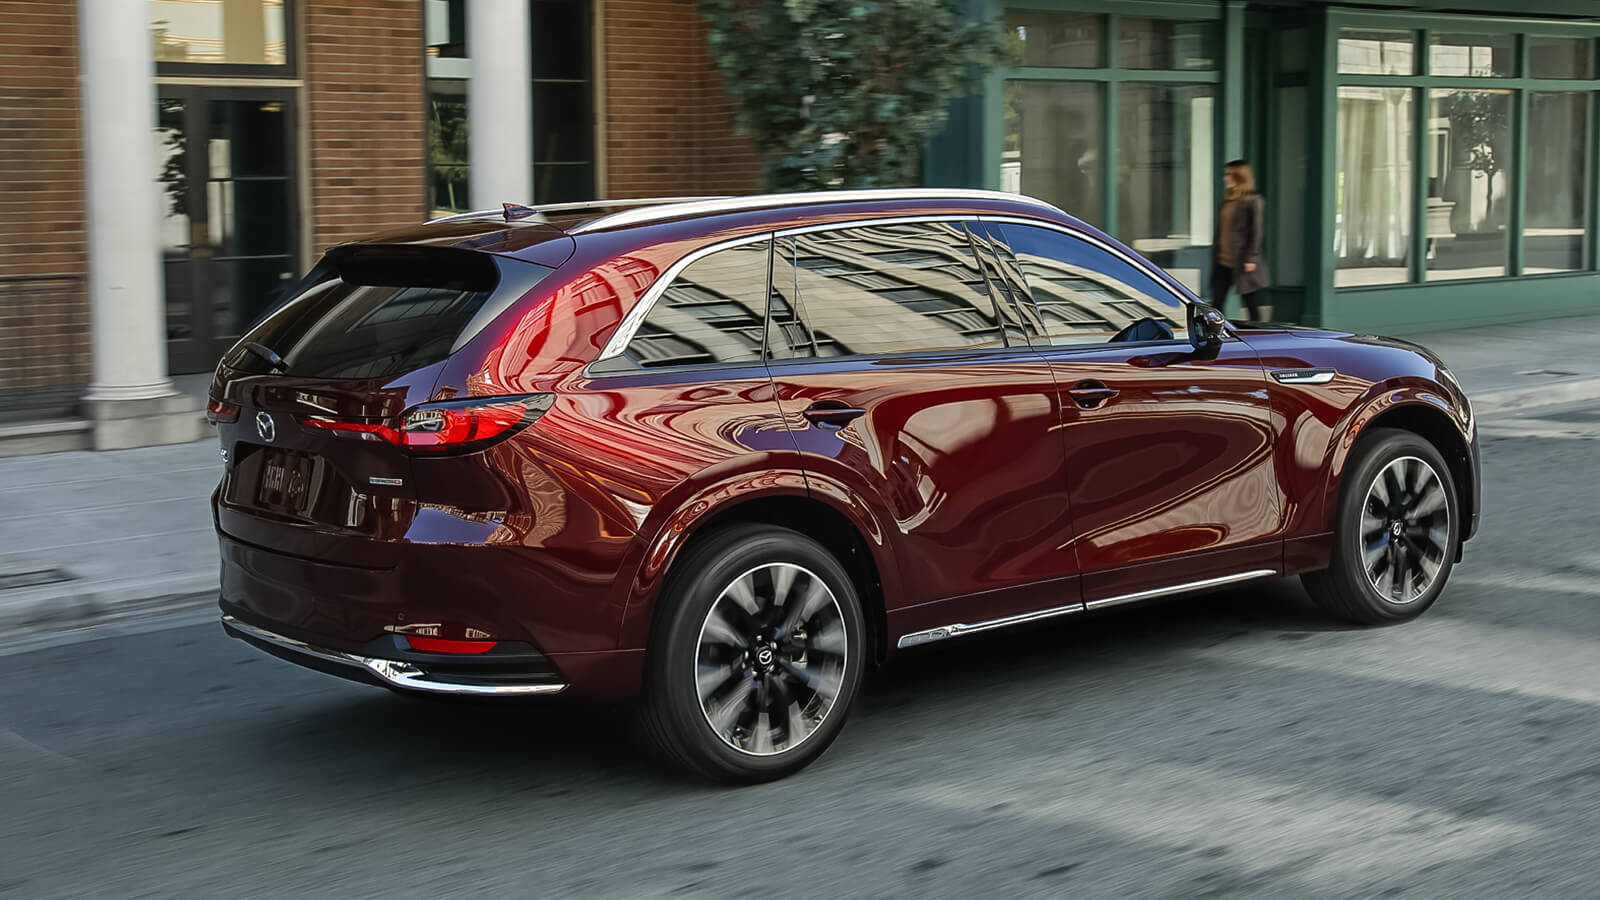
x,y
713,311
380,312
892,288
1084,294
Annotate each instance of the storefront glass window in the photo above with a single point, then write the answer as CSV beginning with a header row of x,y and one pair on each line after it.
x,y
1377,51
1166,177
1372,207
1167,44
447,147
1476,55
1052,144
1559,150
1469,180
1561,57
1062,40
228,32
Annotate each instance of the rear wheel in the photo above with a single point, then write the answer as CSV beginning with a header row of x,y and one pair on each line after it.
x,y
757,655
1396,535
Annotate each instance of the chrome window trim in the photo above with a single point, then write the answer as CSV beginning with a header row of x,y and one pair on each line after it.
x,y
499,211
629,326
391,671
961,629
661,213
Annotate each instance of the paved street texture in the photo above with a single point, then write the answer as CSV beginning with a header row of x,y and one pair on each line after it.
x,y
1231,745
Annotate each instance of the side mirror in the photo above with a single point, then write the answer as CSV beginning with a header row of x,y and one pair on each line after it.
x,y
1208,328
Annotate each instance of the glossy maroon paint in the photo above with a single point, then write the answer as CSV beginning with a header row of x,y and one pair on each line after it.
x,y
979,488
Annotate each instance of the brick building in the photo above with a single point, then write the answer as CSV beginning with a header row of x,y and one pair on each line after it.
x,y
168,164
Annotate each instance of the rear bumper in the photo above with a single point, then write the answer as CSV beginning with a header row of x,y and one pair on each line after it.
x,y
396,673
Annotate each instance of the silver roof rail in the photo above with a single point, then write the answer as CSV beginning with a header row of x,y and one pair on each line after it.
x,y
499,211
711,205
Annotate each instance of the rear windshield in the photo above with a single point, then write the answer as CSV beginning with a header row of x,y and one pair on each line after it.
x,y
374,312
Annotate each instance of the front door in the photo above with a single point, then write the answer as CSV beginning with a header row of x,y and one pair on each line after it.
x,y
225,168
1168,452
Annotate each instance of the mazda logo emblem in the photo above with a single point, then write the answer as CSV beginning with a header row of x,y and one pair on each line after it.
x,y
764,656
266,427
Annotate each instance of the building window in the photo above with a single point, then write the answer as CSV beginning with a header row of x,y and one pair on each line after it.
x,y
1559,154
244,37
1052,144
1372,190
1469,174
1479,217
1155,79
447,146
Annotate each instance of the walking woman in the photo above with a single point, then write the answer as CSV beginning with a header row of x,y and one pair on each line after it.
x,y
1237,261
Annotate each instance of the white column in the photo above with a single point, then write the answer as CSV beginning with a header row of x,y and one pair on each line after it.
x,y
499,103
126,304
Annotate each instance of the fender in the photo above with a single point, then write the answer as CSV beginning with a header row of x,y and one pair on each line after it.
x,y
1377,400
679,515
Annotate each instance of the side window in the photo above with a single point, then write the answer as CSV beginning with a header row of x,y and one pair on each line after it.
x,y
714,311
1083,294
891,288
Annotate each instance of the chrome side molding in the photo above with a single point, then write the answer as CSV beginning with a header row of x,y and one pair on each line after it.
x,y
1184,588
961,629
1304,376
399,674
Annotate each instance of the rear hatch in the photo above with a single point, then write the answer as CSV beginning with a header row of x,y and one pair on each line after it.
x,y
308,404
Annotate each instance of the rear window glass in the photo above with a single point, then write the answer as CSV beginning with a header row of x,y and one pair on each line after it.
x,y
376,313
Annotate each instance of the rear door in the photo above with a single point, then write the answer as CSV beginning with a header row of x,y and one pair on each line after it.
x,y
899,382
1168,452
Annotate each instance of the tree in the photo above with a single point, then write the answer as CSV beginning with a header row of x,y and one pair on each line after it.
x,y
844,93
1480,124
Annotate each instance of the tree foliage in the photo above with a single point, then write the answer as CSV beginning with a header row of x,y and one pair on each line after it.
x,y
844,93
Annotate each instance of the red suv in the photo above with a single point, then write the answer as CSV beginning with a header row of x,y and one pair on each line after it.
x,y
726,454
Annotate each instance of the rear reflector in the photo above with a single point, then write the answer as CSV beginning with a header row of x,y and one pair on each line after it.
x,y
221,411
457,426
444,645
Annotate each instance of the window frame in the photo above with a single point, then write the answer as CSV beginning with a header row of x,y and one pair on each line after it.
x,y
288,69
1421,84
612,360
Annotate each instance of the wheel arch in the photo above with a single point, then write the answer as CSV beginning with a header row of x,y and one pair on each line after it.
x,y
1422,413
864,559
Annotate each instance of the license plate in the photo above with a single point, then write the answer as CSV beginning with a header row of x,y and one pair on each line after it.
x,y
284,478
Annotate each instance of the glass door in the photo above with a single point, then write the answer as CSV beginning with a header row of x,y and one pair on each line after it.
x,y
229,213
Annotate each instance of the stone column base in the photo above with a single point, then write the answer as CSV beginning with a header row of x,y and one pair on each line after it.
x,y
120,424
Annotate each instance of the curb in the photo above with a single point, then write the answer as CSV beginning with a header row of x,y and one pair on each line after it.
x,y
1518,400
72,605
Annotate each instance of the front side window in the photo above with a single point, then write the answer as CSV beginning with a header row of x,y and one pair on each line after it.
x,y
712,312
891,288
1084,294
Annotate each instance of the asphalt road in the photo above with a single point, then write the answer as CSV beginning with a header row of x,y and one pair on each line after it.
x,y
1231,745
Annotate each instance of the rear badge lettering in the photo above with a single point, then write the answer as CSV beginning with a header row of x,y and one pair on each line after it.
x,y
388,482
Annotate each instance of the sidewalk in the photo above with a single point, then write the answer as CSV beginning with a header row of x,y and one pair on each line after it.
x,y
88,537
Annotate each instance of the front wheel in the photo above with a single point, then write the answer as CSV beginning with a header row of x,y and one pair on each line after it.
x,y
757,655
1396,535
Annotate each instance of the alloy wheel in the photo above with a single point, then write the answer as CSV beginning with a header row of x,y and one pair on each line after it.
x,y
771,659
1405,529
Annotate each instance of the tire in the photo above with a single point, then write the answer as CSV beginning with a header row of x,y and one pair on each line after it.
x,y
756,656
1395,480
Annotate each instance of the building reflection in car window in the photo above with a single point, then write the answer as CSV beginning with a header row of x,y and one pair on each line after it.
x,y
1086,295
891,288
714,311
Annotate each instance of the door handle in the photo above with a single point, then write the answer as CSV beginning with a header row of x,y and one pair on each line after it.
x,y
1091,394
831,414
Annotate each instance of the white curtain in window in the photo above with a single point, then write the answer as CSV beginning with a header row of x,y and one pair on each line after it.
x,y
1373,219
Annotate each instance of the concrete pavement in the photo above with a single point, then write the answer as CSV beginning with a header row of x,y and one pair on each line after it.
x,y
91,536
1235,745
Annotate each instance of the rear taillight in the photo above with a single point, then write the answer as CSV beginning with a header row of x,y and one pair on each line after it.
x,y
221,411
455,426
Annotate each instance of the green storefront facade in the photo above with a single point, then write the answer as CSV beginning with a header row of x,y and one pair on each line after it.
x,y
1422,169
